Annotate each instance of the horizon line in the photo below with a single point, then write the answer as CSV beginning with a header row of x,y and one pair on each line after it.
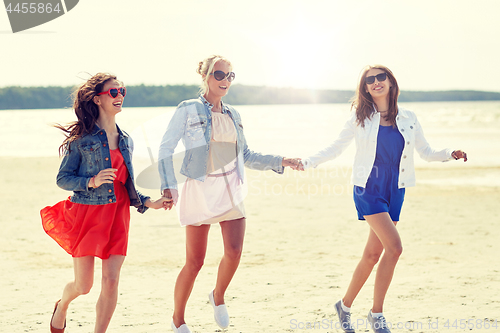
x,y
247,85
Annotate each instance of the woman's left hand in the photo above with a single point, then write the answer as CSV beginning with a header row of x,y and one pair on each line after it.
x,y
157,204
458,154
293,163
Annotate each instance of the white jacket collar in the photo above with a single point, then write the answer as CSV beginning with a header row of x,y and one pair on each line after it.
x,y
401,111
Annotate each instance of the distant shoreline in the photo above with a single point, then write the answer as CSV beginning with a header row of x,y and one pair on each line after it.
x,y
14,97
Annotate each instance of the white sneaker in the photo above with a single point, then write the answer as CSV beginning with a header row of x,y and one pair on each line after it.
x,y
220,312
181,329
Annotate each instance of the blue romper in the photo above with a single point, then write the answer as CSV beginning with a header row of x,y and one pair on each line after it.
x,y
381,193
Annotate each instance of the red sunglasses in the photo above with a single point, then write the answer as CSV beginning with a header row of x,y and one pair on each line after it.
x,y
113,92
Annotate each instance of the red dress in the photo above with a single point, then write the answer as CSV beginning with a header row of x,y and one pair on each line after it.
x,y
92,230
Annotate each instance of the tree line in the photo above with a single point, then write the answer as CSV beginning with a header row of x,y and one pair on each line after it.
x,y
14,97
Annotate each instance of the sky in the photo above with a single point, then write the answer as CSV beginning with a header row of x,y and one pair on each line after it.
x,y
314,44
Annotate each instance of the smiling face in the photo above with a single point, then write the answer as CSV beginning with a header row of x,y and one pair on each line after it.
x,y
218,89
107,103
378,89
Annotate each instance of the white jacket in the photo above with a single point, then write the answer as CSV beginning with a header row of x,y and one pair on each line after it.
x,y
366,147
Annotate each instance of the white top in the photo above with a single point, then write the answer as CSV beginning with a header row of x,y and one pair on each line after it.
x,y
216,199
366,147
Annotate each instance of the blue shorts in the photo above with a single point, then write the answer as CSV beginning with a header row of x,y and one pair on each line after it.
x,y
381,193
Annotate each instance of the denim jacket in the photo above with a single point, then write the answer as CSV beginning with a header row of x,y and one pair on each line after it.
x,y
192,123
366,147
88,155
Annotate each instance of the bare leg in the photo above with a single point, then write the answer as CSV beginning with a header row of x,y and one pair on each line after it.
x,y
106,303
381,227
84,278
233,233
388,235
196,248
371,254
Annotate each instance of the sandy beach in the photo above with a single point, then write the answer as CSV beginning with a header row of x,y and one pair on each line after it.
x,y
302,244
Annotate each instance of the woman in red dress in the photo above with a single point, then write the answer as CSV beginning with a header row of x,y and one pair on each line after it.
x,y
94,221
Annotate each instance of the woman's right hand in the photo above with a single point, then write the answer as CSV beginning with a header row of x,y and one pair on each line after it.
x,y
294,163
458,154
157,204
106,176
170,194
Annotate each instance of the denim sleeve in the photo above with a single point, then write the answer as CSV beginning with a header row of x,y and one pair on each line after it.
x,y
257,161
142,207
171,138
67,177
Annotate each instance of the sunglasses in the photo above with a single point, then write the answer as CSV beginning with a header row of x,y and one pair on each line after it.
x,y
220,75
380,77
113,92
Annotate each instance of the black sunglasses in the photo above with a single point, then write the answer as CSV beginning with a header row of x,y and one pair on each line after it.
x,y
380,77
220,75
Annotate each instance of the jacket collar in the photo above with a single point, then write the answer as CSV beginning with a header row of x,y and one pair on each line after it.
x,y
210,105
401,112
97,129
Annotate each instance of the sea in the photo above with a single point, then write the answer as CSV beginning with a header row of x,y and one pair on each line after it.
x,y
288,130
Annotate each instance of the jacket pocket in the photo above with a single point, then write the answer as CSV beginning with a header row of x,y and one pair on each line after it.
x,y
91,155
195,128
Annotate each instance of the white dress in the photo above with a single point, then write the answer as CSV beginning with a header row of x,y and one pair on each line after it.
x,y
220,197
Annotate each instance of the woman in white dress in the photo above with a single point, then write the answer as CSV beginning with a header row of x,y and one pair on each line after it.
x,y
213,166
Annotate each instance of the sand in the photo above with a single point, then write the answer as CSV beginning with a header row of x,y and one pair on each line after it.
x,y
302,244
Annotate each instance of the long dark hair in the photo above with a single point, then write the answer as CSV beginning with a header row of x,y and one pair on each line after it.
x,y
363,101
86,110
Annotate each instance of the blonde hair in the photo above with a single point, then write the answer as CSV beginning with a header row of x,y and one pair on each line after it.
x,y
206,67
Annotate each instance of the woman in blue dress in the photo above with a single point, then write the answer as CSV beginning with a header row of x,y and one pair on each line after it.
x,y
386,136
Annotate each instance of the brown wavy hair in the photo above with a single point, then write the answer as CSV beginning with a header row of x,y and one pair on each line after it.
x,y
363,101
87,112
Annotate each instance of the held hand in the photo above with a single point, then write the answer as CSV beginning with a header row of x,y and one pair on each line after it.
x,y
162,202
105,176
293,163
458,154
171,195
